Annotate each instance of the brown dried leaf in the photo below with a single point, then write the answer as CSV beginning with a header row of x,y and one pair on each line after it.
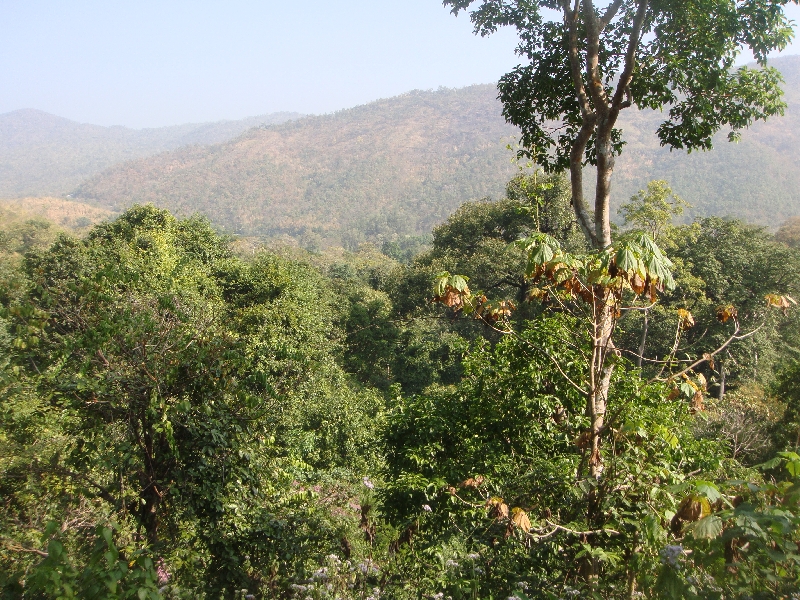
x,y
472,482
497,508
520,518
726,312
584,440
697,402
637,284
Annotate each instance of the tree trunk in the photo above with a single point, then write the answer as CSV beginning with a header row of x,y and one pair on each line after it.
x,y
721,394
642,342
601,370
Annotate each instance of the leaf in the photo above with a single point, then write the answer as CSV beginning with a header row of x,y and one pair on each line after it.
x,y
685,319
520,518
541,254
626,259
724,313
707,528
637,284
472,482
497,507
708,489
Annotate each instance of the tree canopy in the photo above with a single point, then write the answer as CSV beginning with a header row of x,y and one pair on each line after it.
x,y
584,69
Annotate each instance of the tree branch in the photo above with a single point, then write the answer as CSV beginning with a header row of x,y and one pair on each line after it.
x,y
16,547
571,22
630,58
734,338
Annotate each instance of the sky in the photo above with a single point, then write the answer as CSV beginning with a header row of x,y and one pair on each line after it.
x,y
154,63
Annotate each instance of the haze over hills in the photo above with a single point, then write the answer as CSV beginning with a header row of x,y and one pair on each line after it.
x,y
42,154
397,166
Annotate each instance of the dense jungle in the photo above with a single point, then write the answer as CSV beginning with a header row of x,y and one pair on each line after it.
x,y
187,416
557,391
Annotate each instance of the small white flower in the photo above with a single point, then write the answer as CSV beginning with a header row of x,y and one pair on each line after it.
x,y
368,483
427,508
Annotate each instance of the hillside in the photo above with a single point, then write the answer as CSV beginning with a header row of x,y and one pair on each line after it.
x,y
68,214
756,179
399,165
42,154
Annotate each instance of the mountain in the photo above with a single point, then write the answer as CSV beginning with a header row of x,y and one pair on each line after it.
x,y
42,154
757,179
398,165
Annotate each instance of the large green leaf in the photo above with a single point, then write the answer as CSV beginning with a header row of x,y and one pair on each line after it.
x,y
707,528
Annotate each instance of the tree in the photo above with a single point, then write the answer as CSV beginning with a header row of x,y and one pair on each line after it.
x,y
789,232
652,210
582,72
174,386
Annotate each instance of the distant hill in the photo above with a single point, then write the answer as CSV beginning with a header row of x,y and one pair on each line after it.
x,y
757,179
42,154
395,166
68,214
401,165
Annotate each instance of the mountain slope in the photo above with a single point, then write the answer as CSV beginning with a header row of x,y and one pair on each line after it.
x,y
401,165
393,166
756,179
42,154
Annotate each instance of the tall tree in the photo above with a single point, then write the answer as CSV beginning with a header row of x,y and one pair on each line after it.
x,y
582,71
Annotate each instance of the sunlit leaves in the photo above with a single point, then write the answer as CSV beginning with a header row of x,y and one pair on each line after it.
x,y
451,290
685,319
707,528
782,302
726,312
637,264
520,519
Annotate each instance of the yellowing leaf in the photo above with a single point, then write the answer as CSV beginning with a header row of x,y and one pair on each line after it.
x,y
727,312
685,319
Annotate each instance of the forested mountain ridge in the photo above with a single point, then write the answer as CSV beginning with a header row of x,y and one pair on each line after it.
x,y
42,154
400,165
756,179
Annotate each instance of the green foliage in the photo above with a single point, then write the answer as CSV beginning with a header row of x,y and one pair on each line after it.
x,y
187,394
490,474
788,390
789,232
748,547
653,210
685,67
722,263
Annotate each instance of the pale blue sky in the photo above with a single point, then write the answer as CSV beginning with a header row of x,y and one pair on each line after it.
x,y
149,63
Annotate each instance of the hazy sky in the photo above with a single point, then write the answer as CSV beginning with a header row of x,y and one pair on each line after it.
x,y
148,63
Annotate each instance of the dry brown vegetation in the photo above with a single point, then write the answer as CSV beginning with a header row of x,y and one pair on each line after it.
x,y
68,214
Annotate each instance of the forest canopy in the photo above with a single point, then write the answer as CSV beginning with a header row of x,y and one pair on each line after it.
x,y
179,420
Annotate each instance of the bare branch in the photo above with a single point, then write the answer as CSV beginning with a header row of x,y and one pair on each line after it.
x,y
16,547
733,338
